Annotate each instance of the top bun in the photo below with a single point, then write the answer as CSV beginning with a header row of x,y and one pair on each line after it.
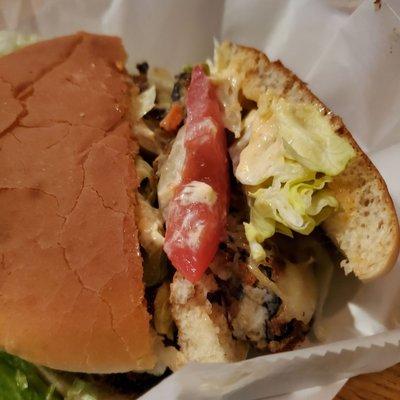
x,y
71,291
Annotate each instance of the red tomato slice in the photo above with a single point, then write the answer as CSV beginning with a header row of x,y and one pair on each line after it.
x,y
196,224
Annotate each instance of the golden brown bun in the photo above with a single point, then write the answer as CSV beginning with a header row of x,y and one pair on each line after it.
x,y
366,227
71,291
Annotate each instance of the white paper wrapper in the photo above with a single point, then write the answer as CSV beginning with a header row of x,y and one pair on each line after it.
x,y
349,53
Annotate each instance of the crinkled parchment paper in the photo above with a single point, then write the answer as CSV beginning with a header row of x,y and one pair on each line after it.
x,y
349,53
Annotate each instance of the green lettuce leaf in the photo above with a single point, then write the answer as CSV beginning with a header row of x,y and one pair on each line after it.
x,y
309,139
291,153
298,207
20,380
257,230
80,390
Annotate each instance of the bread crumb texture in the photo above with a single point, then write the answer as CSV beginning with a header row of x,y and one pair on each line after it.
x,y
203,331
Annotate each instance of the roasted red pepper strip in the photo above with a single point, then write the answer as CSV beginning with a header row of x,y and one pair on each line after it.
x,y
196,221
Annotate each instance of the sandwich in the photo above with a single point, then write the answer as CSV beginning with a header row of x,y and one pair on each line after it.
x,y
149,221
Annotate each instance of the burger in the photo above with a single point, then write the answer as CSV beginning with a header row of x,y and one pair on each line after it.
x,y
148,221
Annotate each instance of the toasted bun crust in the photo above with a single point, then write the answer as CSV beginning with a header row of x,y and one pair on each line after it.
x,y
71,291
366,227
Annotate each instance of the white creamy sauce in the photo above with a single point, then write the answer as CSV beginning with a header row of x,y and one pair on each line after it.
x,y
171,172
150,226
194,236
198,192
189,233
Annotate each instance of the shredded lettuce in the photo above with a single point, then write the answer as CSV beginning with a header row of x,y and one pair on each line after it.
x,y
147,179
257,230
150,226
20,380
309,139
80,387
143,169
148,139
151,238
287,155
170,172
81,390
164,82
156,97
150,223
163,321
11,41
143,103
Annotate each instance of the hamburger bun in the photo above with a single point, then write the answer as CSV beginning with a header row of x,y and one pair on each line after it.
x,y
72,296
